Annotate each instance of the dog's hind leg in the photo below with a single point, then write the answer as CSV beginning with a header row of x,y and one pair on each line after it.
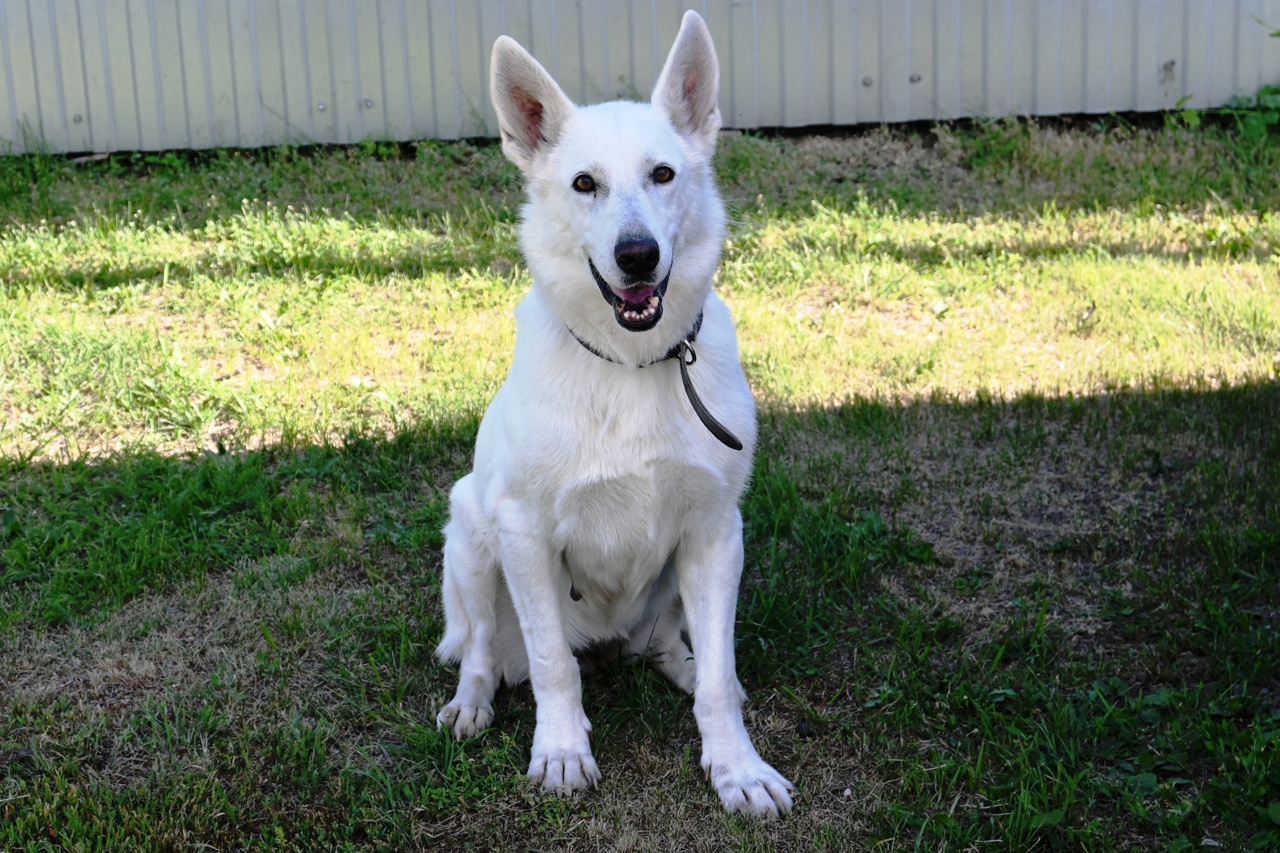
x,y
471,588
662,640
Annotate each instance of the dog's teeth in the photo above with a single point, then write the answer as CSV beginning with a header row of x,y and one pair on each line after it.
x,y
653,301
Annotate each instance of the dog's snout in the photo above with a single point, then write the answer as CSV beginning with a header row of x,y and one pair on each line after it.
x,y
637,256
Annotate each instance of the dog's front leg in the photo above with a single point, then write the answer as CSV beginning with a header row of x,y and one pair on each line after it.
x,y
709,571
561,758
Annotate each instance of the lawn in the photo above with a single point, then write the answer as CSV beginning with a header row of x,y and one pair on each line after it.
x,y
1013,537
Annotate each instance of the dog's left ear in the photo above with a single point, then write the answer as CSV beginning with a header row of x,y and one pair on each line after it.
x,y
689,86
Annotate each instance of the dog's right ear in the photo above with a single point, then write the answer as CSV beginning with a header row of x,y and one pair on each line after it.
x,y
531,108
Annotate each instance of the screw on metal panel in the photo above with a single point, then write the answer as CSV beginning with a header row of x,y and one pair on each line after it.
x,y
368,103
867,81
77,118
915,78
321,107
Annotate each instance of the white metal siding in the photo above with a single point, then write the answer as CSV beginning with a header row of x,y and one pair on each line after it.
x,y
106,75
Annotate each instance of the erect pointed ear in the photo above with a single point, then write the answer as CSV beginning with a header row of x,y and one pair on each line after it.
x,y
689,86
531,108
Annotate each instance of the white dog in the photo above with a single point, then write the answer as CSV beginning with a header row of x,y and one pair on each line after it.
x,y
604,500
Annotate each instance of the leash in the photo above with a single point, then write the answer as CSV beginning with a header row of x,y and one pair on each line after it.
x,y
687,356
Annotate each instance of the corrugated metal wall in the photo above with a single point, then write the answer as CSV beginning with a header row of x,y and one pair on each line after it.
x,y
108,75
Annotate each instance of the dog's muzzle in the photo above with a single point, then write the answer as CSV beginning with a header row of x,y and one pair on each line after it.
x,y
637,307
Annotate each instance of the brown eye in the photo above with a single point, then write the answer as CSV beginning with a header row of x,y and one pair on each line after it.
x,y
663,174
584,183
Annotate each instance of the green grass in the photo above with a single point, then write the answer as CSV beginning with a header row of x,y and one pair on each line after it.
x,y
1013,538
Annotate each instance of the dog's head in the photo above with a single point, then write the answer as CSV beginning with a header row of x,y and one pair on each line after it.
x,y
623,228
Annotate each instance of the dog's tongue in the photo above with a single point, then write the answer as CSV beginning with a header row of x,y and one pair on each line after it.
x,y
636,295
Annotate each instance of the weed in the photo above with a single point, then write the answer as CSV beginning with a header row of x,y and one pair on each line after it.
x,y
1000,142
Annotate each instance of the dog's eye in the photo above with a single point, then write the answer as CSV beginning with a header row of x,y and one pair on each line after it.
x,y
584,183
663,174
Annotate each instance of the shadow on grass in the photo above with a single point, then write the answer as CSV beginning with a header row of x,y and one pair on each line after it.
x,y
78,537
416,261
940,601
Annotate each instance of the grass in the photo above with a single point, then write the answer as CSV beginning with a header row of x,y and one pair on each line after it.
x,y
1013,538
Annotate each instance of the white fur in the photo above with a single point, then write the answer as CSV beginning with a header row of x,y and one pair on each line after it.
x,y
598,476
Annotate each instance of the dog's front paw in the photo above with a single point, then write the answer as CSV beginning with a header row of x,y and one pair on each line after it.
x,y
561,759
464,720
563,772
749,785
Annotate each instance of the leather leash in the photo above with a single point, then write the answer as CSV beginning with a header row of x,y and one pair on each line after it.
x,y
687,356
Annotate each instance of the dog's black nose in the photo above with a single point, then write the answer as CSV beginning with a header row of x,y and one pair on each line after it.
x,y
637,256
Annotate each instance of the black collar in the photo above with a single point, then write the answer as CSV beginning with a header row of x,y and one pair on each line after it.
x,y
671,353
685,354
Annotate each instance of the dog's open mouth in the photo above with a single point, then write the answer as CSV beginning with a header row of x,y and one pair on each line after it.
x,y
636,308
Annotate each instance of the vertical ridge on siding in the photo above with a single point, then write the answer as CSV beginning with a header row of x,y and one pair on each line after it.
x,y
288,88
1086,57
175,36
352,99
1035,63
6,64
598,27
153,50
1135,55
753,59
1019,48
411,120
108,75
1271,60
41,87
935,61
833,77
255,65
55,60
84,135
987,41
1235,66
456,71
111,94
474,73
309,94
206,65
71,63
866,38
1008,101
130,59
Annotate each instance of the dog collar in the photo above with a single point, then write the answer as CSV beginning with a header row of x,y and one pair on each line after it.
x,y
687,356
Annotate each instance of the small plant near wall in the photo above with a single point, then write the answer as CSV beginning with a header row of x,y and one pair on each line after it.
x,y
1257,116
1254,117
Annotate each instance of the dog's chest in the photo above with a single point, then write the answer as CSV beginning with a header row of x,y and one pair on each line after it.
x,y
627,521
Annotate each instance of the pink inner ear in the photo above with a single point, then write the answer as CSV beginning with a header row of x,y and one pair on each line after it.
x,y
531,111
690,88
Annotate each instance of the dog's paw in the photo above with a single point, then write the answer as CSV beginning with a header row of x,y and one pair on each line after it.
x,y
680,671
563,772
750,786
464,720
561,760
